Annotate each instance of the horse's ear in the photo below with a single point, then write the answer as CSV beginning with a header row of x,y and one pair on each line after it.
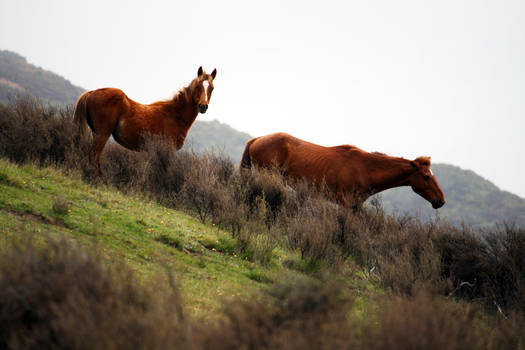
x,y
214,73
200,71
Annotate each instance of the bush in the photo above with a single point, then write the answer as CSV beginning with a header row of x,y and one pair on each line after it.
x,y
204,188
257,240
56,296
318,314
269,185
300,314
164,169
33,131
60,206
426,322
313,230
490,269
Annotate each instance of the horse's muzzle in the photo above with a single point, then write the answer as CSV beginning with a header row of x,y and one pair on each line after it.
x,y
438,203
203,108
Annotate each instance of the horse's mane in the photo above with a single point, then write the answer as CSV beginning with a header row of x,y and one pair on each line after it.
x,y
185,93
423,160
380,154
385,161
181,96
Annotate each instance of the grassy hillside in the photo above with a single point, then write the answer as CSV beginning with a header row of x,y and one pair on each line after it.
x,y
17,77
227,299
145,235
258,266
471,199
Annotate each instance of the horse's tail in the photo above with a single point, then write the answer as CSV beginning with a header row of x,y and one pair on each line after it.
x,y
246,161
80,116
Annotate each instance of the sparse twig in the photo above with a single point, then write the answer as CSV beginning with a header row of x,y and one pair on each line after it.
x,y
468,284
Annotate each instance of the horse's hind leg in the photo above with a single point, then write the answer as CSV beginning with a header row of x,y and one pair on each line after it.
x,y
99,141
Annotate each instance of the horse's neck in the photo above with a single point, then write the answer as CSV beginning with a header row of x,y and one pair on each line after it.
x,y
188,115
389,172
185,111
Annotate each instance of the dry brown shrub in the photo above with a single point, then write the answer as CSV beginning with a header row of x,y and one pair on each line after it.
x,y
313,229
300,314
203,189
32,131
430,322
57,296
269,185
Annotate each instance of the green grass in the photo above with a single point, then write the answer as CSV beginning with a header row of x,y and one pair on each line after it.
x,y
149,237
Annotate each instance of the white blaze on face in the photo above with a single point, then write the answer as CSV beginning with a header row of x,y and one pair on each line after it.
x,y
431,173
205,84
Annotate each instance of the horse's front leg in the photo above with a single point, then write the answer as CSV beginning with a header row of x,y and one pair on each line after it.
x,y
179,141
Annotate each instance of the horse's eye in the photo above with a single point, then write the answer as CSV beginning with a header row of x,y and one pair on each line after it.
x,y
426,177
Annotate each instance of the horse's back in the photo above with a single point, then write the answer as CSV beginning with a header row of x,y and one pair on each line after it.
x,y
108,98
303,159
271,150
281,149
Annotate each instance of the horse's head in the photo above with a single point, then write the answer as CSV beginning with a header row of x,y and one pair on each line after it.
x,y
202,89
424,183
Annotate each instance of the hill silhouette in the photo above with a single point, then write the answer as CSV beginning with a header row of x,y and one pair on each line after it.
x,y
18,77
218,137
471,199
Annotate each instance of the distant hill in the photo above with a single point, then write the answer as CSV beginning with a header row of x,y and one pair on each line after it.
x,y
217,136
18,77
470,198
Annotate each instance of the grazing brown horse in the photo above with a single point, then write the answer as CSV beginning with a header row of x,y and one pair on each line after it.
x,y
109,111
351,173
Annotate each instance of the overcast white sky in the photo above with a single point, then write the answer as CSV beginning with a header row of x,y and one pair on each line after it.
x,y
407,78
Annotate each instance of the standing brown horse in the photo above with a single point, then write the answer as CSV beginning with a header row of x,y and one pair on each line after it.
x,y
109,111
351,173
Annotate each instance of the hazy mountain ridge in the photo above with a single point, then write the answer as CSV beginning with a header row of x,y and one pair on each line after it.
x,y
470,198
17,77
218,137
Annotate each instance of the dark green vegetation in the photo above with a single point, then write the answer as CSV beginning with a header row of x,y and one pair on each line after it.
x,y
17,78
253,264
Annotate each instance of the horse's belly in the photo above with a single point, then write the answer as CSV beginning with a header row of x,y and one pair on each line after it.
x,y
127,134
310,173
